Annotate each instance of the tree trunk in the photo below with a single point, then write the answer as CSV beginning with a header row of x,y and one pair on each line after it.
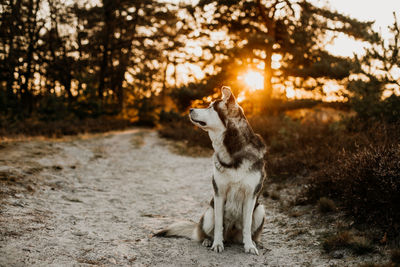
x,y
108,13
11,58
103,70
270,24
25,90
268,73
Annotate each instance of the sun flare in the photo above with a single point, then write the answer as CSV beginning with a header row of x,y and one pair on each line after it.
x,y
254,80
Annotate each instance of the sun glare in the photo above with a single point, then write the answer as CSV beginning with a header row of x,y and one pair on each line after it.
x,y
290,93
241,97
254,80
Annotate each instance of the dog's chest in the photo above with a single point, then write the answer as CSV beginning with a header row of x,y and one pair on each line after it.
x,y
235,194
238,182
235,186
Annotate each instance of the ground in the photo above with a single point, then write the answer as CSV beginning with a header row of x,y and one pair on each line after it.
x,y
97,200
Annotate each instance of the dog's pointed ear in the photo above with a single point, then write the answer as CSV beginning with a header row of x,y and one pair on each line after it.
x,y
227,95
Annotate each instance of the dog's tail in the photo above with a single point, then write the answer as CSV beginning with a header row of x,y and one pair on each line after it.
x,y
186,229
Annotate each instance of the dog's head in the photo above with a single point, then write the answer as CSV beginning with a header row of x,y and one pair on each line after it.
x,y
217,116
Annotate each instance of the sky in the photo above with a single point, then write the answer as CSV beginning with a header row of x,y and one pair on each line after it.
x,y
380,11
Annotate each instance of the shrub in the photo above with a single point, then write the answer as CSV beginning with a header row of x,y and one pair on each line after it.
x,y
177,127
275,195
367,183
367,101
59,128
298,148
338,241
326,205
347,240
395,256
146,111
52,108
184,95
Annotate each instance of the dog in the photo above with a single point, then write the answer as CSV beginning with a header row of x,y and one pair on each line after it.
x,y
234,214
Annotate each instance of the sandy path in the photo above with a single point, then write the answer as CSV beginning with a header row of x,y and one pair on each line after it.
x,y
103,198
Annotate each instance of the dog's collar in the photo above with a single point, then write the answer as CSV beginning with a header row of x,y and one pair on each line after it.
x,y
223,164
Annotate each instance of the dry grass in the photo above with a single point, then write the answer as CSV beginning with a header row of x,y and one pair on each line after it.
x,y
366,183
395,256
296,213
326,205
347,240
188,139
370,264
395,261
184,149
33,127
137,139
275,195
183,130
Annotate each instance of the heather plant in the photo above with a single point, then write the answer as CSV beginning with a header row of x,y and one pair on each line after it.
x,y
366,183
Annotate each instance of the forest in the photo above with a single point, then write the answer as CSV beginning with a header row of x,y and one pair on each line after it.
x,y
132,59
331,122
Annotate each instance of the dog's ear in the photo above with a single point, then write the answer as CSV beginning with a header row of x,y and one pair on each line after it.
x,y
227,95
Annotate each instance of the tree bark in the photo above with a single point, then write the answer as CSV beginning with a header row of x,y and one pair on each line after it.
x,y
268,73
270,24
11,58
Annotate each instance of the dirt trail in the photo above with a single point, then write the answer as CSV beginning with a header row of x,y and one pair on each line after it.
x,y
102,198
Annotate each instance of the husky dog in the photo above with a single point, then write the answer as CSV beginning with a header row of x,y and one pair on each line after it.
x,y
234,213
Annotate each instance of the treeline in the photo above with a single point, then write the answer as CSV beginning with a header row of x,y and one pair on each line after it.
x,y
86,59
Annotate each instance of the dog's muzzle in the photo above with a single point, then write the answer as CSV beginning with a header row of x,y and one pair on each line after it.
x,y
201,123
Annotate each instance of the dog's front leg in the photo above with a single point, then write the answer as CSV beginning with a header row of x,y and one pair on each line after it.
x,y
218,244
248,206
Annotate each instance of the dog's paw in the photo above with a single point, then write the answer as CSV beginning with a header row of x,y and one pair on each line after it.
x,y
258,244
217,247
207,242
250,248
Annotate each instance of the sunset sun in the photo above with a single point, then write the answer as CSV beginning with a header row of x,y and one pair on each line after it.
x,y
253,79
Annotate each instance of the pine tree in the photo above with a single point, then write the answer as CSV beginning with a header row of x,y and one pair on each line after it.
x,y
373,92
298,31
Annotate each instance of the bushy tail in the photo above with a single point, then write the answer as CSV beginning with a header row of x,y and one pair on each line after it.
x,y
186,229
